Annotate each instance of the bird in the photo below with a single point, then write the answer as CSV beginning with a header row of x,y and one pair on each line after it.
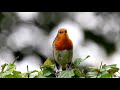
x,y
62,49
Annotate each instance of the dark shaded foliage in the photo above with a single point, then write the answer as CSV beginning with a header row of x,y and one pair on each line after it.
x,y
99,39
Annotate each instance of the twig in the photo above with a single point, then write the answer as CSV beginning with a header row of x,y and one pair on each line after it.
x,y
100,68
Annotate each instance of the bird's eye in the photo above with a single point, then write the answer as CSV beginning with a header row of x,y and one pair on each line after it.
x,y
60,32
65,31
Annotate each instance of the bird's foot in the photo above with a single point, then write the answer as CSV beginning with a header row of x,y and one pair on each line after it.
x,y
69,67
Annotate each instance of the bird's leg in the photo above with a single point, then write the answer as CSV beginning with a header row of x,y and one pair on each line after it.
x,y
58,70
56,67
69,66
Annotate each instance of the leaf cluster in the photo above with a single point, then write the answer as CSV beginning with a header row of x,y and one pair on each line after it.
x,y
48,70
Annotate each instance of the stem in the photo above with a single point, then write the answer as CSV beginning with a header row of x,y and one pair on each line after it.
x,y
86,57
15,59
99,69
28,71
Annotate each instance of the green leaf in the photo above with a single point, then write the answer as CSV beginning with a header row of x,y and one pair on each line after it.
x,y
113,65
32,74
47,72
77,73
34,71
17,74
102,70
40,75
107,67
66,74
48,62
92,74
47,66
6,73
9,76
105,75
3,66
77,62
25,75
11,67
1,74
96,70
113,70
92,69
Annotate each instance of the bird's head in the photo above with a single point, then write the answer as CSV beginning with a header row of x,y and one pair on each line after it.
x,y
62,33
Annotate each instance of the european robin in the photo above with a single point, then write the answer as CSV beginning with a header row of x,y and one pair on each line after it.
x,y
62,49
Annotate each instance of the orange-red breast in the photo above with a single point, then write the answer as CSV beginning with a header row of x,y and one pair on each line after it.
x,y
62,48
